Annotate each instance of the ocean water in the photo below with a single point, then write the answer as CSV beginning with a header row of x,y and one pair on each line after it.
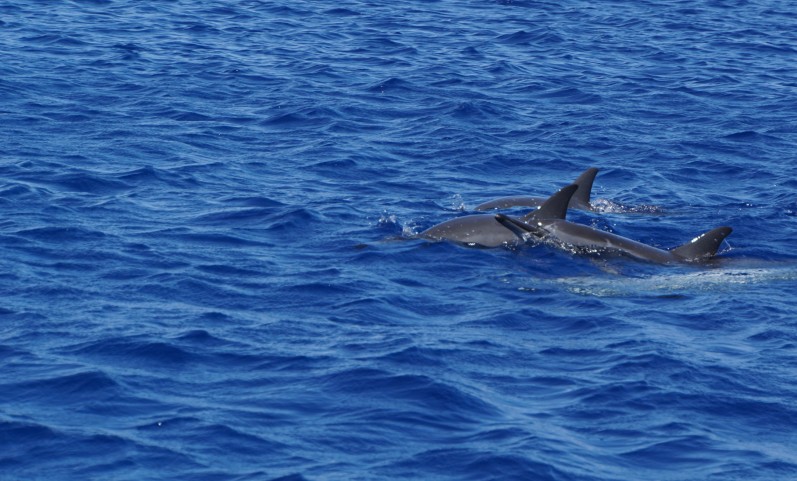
x,y
207,262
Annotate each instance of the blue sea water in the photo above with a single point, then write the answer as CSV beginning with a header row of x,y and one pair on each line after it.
x,y
207,269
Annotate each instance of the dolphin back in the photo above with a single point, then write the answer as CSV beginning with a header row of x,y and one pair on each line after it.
x,y
507,202
580,199
702,246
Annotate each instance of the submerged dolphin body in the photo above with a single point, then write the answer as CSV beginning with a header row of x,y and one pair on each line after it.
x,y
579,200
548,223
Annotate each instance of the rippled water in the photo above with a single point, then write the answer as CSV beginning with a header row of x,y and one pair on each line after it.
x,y
207,267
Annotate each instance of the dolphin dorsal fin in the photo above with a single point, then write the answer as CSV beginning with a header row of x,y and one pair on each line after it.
x,y
555,207
702,246
584,183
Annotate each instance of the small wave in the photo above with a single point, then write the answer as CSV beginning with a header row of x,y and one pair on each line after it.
x,y
16,434
747,136
341,12
148,174
453,404
473,463
538,36
475,110
89,183
290,477
190,117
293,120
687,452
289,220
201,336
570,95
62,234
129,50
392,85
414,355
505,67
232,440
65,388
228,271
135,351
36,449
245,215
22,191
141,174
190,237
254,201
55,39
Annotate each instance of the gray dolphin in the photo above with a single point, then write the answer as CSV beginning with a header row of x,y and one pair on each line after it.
x,y
488,230
479,230
548,223
579,200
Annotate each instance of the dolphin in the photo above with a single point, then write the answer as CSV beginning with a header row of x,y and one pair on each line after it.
x,y
548,223
478,230
580,199
488,230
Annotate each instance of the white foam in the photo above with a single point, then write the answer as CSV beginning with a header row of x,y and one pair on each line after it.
x,y
607,206
708,280
456,203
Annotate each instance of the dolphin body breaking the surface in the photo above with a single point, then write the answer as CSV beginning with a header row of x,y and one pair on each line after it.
x,y
478,230
580,199
489,230
548,223
485,230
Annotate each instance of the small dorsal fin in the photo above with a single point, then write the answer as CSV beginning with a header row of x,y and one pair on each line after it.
x,y
704,245
555,207
584,183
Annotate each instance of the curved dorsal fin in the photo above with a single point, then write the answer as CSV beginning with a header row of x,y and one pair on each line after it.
x,y
584,183
704,245
555,207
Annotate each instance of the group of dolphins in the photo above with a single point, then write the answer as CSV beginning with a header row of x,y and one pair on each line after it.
x,y
548,223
